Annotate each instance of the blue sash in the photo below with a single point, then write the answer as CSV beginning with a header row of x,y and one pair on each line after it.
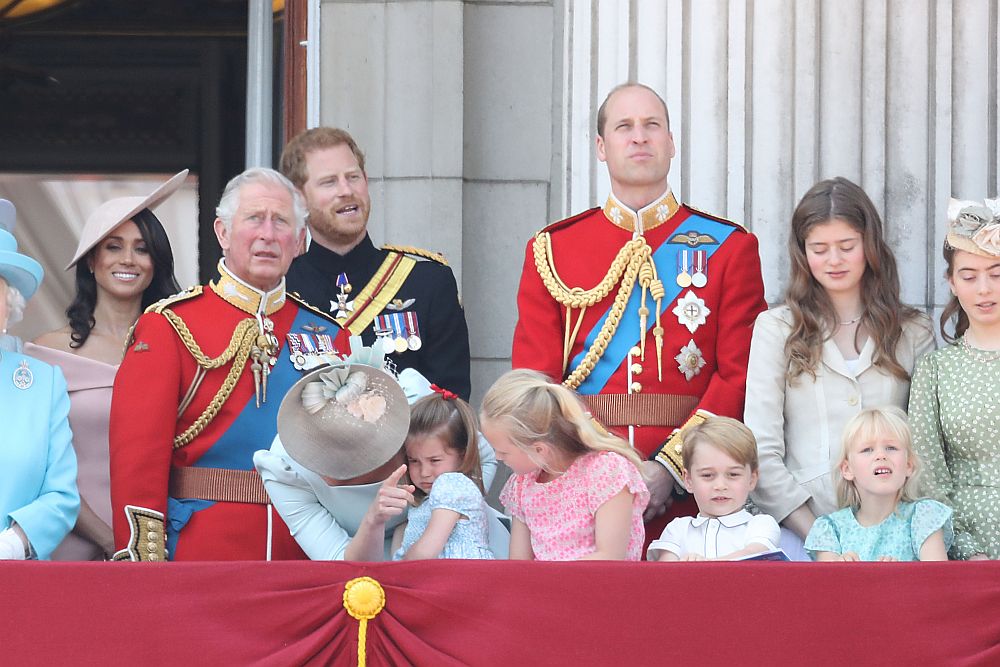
x,y
626,336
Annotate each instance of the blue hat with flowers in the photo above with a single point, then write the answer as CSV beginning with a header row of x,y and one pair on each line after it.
x,y
19,270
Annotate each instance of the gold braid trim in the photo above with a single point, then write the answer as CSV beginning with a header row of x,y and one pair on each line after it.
x,y
238,351
623,272
419,252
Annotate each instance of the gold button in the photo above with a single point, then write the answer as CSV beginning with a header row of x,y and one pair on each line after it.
x,y
153,557
150,525
636,369
677,448
853,400
636,387
635,351
151,535
151,547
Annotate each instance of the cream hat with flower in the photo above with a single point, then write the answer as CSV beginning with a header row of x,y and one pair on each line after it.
x,y
344,421
974,226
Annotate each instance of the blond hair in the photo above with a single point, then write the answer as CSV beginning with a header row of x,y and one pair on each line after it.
x,y
868,425
725,433
531,409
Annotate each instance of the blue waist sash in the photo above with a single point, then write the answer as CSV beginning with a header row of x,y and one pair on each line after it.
x,y
627,334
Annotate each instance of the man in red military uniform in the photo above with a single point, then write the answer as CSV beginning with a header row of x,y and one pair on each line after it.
x,y
644,306
199,388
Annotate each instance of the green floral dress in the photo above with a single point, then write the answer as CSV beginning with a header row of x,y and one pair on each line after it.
x,y
955,416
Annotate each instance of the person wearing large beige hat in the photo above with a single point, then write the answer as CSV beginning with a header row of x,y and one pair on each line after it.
x,y
123,263
38,496
954,406
336,471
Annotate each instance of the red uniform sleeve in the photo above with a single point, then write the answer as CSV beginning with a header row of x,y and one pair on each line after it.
x,y
742,299
144,421
539,331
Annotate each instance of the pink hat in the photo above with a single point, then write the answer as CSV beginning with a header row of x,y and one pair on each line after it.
x,y
115,211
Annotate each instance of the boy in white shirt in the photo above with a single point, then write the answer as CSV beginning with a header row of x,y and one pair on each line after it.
x,y
720,470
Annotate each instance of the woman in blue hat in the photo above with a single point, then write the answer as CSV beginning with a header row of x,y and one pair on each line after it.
x,y
39,502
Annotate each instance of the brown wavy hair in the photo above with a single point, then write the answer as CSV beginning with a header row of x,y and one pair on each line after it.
x,y
454,421
813,316
954,308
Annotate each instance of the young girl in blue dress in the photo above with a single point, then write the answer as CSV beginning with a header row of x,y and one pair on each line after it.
x,y
442,458
877,480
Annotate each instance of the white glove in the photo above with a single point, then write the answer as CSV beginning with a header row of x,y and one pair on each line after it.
x,y
11,546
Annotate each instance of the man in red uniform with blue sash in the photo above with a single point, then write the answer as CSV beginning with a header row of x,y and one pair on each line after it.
x,y
645,306
199,388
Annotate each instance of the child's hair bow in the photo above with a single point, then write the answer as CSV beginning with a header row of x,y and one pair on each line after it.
x,y
445,394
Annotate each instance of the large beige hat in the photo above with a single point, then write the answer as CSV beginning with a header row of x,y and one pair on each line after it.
x,y
974,226
115,211
344,421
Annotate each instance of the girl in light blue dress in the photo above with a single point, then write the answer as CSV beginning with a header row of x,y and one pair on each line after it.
x,y
442,458
883,517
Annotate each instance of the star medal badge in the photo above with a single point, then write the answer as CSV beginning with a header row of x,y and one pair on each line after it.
x,y
683,275
691,311
413,342
690,360
342,307
700,276
23,377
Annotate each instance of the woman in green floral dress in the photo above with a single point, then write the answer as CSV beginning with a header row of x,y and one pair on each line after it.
x,y
955,394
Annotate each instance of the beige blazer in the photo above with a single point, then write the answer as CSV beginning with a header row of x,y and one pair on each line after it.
x,y
798,426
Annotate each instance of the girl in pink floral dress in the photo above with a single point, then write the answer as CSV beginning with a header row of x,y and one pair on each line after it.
x,y
576,492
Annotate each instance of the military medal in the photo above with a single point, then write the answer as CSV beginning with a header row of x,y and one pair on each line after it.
x,y
384,333
399,332
413,341
690,360
700,276
691,311
295,354
342,306
683,277
23,378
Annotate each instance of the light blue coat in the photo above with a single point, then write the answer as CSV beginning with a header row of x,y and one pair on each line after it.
x,y
37,461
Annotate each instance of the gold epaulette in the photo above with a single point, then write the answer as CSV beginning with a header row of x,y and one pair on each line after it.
x,y
183,295
717,218
302,303
419,252
670,454
158,307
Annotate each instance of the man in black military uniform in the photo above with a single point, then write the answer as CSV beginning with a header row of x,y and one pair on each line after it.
x,y
401,298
